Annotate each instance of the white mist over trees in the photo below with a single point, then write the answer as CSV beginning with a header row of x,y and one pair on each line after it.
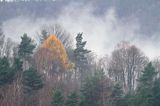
x,y
46,75
65,53
105,19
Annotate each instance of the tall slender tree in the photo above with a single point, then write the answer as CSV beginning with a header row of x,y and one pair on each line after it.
x,y
81,61
26,48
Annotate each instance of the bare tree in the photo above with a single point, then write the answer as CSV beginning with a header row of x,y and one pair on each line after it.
x,y
58,31
126,64
2,38
8,47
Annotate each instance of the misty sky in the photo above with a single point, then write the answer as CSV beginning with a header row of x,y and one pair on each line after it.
x,y
103,22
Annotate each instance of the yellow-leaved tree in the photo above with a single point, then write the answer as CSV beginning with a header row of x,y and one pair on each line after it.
x,y
52,61
52,54
58,52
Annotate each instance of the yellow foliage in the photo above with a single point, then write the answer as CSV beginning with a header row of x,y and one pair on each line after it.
x,y
58,52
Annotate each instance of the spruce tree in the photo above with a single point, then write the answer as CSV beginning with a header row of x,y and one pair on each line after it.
x,y
32,81
6,73
156,92
118,95
26,47
17,65
43,36
25,50
144,94
91,89
58,98
72,99
80,56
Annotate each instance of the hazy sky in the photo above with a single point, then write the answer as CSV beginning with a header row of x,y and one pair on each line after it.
x,y
103,22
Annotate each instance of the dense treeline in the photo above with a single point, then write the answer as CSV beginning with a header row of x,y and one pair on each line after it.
x,y
54,72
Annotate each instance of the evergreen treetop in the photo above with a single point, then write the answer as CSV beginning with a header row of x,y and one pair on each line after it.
x,y
6,72
58,98
26,46
32,80
145,95
80,45
72,99
80,52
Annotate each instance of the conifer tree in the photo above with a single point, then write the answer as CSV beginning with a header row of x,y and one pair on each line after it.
x,y
25,50
58,98
80,56
17,65
26,47
32,81
91,91
6,73
72,99
118,95
43,36
144,95
156,92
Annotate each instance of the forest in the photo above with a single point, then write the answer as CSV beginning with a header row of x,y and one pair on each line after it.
x,y
53,73
56,68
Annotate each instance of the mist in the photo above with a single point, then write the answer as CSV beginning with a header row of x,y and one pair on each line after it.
x,y
79,53
102,33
